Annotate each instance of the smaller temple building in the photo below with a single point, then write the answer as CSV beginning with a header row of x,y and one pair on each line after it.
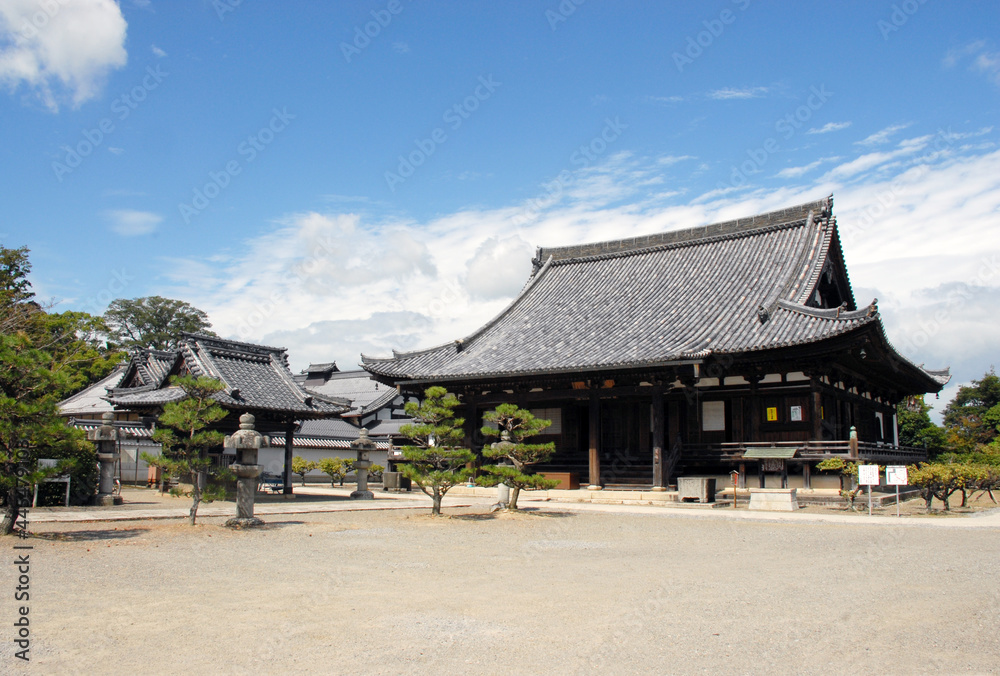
x,y
257,380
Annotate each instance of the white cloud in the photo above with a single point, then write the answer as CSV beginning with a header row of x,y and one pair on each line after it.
x,y
330,286
129,223
668,160
828,127
669,100
869,161
795,172
499,268
978,57
157,52
881,136
401,47
61,51
737,93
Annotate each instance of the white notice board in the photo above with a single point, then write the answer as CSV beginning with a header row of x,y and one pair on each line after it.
x,y
895,475
868,475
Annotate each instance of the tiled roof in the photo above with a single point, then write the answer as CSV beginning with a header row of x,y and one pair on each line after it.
x,y
366,395
256,378
132,431
91,399
733,287
323,442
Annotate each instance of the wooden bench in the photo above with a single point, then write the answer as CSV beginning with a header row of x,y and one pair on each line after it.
x,y
272,483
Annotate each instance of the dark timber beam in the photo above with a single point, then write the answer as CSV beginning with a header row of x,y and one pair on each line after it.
x,y
595,441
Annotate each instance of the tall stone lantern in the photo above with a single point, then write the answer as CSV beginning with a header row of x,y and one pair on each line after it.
x,y
247,442
105,438
362,446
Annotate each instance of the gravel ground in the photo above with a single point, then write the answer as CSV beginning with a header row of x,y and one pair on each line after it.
x,y
555,591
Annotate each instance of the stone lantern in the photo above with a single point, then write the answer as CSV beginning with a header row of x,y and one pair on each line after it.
x,y
362,446
247,442
503,490
105,438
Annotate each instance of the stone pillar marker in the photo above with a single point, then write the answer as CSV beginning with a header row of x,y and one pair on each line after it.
x,y
362,446
105,438
247,442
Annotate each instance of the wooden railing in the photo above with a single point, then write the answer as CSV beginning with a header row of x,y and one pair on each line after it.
x,y
807,450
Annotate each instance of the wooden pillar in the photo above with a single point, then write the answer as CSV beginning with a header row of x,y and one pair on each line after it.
x,y
784,474
595,441
807,482
658,441
760,473
817,412
469,427
743,475
286,473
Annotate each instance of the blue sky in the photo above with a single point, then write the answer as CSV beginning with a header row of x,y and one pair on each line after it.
x,y
341,178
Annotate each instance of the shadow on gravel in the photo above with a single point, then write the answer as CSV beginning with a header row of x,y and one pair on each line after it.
x,y
90,535
529,512
275,525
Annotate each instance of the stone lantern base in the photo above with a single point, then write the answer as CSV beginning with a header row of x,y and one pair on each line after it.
x,y
108,500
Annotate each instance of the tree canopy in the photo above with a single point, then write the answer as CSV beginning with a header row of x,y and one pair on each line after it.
x,y
916,428
43,358
436,462
973,416
153,321
185,434
514,425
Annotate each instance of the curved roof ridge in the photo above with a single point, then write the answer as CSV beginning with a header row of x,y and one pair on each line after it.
x,y
689,236
837,314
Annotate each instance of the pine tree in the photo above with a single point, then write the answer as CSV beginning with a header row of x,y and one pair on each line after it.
x,y
435,462
514,425
185,436
30,426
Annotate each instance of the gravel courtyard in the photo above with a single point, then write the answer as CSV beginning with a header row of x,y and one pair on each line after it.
x,y
555,591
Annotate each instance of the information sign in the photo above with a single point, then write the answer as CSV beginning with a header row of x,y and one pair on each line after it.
x,y
895,475
868,475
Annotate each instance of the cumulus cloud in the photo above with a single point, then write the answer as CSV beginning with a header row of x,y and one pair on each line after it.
x,y
129,223
498,269
332,285
60,51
